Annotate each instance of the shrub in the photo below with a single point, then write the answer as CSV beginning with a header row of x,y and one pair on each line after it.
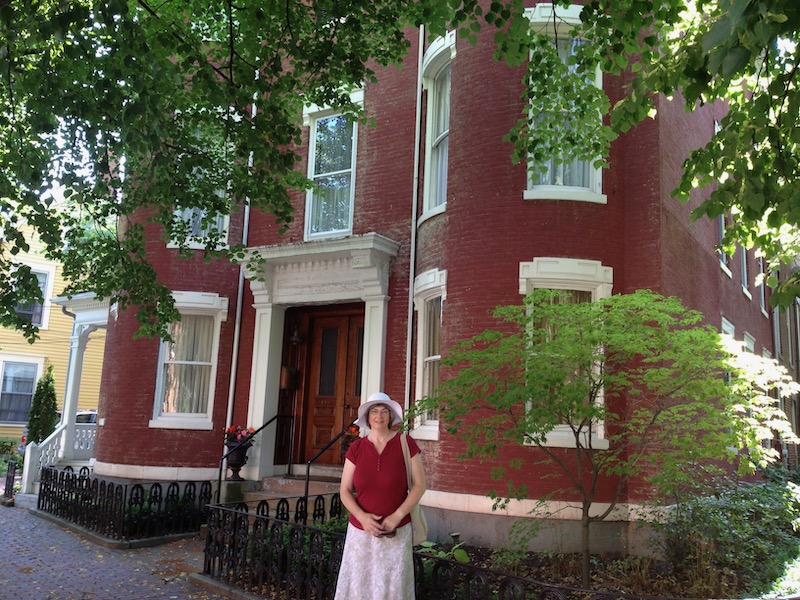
x,y
43,415
748,531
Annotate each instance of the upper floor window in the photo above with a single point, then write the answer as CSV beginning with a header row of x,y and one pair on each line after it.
x,y
195,228
762,285
562,178
724,259
429,294
436,80
745,271
34,311
187,363
331,167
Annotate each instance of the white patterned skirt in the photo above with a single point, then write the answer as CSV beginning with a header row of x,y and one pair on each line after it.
x,y
376,568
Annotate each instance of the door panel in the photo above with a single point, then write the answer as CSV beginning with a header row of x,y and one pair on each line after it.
x,y
334,381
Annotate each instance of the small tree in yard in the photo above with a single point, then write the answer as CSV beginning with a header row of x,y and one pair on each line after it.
x,y
43,416
669,398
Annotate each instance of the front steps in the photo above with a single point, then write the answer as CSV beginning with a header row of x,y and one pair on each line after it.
x,y
323,481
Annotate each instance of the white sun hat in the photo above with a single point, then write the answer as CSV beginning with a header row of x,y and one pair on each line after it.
x,y
379,398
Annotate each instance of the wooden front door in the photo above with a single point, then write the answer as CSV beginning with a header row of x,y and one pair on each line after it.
x,y
333,390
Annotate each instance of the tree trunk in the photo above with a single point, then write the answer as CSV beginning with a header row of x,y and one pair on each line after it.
x,y
585,554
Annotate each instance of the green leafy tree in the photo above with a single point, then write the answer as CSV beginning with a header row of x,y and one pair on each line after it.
x,y
648,398
43,416
129,107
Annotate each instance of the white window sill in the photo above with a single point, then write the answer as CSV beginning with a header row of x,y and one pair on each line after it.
x,y
747,293
183,422
557,192
428,431
563,438
765,313
196,246
431,213
725,269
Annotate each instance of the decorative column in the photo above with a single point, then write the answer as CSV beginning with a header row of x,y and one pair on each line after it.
x,y
374,356
77,349
264,387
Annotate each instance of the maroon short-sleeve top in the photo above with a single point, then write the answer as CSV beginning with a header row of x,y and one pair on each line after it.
x,y
380,479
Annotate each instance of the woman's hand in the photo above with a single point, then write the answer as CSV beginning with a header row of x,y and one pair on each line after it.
x,y
390,523
372,524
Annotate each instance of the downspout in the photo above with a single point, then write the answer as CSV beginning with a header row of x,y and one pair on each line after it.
x,y
237,327
412,259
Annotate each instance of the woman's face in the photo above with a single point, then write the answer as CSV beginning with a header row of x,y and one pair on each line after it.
x,y
379,417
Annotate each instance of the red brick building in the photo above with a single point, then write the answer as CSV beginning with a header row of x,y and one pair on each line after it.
x,y
419,226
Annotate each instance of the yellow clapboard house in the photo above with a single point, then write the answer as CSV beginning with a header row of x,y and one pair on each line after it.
x,y
23,363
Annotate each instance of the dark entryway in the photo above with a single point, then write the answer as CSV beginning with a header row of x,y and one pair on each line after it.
x,y
323,356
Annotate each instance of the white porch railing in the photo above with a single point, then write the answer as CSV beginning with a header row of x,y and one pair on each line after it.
x,y
52,450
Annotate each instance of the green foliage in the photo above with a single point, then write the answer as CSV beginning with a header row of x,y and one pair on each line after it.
x,y
744,532
43,415
454,552
117,108
674,402
9,452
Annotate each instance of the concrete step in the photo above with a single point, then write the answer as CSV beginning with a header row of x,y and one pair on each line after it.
x,y
291,487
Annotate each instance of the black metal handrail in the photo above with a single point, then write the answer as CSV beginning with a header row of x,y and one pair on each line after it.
x,y
317,455
232,449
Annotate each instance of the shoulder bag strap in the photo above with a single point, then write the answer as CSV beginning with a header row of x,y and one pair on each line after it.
x,y
407,459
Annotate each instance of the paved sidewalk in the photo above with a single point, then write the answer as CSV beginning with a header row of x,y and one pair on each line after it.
x,y
41,560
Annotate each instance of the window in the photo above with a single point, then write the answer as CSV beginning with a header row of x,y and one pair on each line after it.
x,y
584,281
749,343
187,363
745,272
429,295
436,80
727,327
19,382
197,227
331,166
34,312
724,259
574,179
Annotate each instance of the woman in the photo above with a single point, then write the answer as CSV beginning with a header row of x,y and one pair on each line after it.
x,y
377,560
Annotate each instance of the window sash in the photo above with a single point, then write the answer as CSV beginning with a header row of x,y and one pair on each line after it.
x,y
575,173
16,394
332,173
431,359
439,105
34,312
188,365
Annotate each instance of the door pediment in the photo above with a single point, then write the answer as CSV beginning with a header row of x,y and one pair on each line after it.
x,y
323,271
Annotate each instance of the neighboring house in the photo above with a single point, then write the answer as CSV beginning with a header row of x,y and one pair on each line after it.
x,y
399,252
22,363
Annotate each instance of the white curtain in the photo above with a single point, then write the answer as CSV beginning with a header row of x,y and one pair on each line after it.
x,y
188,365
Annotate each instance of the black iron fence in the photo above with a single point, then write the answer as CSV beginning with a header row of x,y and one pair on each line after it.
x,y
8,491
270,552
124,511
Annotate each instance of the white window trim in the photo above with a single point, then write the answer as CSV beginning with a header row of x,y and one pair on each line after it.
x,y
21,358
191,303
727,327
439,55
48,269
311,114
724,259
745,272
427,286
569,274
749,342
541,20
